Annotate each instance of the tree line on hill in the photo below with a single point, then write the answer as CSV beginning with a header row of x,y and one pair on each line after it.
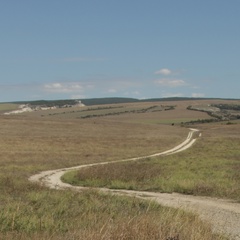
x,y
100,101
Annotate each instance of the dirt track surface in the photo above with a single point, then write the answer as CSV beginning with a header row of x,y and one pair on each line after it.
x,y
223,215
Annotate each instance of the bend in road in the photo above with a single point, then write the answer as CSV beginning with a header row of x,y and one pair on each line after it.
x,y
224,215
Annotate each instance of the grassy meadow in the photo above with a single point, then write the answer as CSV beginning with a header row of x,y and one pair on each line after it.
x,y
44,140
210,168
5,107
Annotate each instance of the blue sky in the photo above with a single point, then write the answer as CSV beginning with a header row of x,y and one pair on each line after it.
x,y
63,49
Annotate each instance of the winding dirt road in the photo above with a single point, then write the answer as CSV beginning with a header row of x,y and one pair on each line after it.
x,y
224,215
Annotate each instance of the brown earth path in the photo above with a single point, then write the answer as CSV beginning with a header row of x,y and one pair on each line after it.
x,y
223,215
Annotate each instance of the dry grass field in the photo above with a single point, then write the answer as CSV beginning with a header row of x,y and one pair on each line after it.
x,y
37,141
210,168
4,107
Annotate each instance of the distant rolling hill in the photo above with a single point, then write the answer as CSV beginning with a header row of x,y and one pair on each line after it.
x,y
101,101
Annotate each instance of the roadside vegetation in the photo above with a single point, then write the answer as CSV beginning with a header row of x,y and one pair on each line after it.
x,y
32,212
210,168
30,143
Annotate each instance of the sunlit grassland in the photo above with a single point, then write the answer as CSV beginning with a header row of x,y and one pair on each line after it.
x,y
37,213
165,121
96,111
5,107
31,143
210,168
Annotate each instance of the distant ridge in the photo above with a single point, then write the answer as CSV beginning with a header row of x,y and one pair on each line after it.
x,y
115,100
110,100
100,101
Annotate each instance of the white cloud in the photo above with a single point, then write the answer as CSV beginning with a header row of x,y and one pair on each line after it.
x,y
136,92
164,71
63,87
77,96
112,90
167,95
198,95
171,82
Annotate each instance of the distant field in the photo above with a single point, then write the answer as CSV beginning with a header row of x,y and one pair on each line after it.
x,y
5,107
126,112
210,168
44,140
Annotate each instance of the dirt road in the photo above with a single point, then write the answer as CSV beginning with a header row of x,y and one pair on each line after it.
x,y
224,215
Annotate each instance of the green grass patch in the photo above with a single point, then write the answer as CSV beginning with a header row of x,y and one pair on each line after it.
x,y
39,213
210,168
31,143
5,107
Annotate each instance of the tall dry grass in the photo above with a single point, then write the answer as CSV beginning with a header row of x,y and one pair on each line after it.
x,y
48,214
31,143
209,168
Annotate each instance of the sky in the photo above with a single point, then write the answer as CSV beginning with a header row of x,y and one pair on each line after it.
x,y
78,49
